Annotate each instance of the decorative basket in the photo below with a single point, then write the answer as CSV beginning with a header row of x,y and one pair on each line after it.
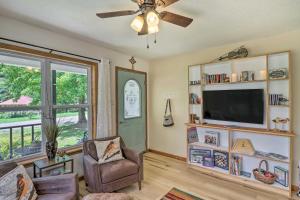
x,y
264,176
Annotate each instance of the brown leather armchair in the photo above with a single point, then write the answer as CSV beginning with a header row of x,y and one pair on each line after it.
x,y
112,176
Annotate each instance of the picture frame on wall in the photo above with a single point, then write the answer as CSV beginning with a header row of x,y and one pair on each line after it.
x,y
212,138
221,159
282,176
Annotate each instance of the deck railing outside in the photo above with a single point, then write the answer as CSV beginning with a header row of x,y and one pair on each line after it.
x,y
24,150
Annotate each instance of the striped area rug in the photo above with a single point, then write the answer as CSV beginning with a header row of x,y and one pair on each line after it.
x,y
176,194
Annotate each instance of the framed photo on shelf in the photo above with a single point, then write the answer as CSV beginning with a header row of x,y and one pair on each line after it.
x,y
280,73
208,161
282,176
197,155
192,135
212,138
221,159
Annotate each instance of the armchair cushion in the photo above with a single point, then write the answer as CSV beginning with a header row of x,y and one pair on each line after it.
x,y
57,185
92,151
109,150
118,169
16,184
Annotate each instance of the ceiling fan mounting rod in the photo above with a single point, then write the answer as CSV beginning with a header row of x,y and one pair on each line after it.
x,y
146,7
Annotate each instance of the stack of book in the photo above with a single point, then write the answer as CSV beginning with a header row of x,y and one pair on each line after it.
x,y
236,165
275,99
215,78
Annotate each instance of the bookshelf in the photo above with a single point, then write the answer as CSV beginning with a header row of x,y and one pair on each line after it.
x,y
266,137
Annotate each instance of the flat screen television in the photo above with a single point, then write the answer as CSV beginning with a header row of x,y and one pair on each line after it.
x,y
234,105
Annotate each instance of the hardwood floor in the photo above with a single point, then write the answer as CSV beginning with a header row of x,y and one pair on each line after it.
x,y
163,173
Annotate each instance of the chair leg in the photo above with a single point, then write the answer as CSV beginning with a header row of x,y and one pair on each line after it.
x,y
140,185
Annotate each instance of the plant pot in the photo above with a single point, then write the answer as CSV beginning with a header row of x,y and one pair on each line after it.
x,y
51,149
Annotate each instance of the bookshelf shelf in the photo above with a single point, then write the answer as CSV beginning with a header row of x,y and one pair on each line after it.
x,y
279,79
197,85
262,157
237,82
216,169
244,129
279,106
264,137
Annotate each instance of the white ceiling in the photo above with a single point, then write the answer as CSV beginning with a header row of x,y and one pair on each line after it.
x,y
216,22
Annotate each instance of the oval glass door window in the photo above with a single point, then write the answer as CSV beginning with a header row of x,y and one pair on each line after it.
x,y
132,99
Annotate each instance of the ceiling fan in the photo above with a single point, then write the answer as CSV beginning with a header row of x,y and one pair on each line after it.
x,y
147,21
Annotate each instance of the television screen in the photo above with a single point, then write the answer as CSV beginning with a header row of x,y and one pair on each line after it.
x,y
234,105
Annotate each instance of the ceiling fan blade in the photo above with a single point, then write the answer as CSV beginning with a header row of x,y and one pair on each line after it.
x,y
175,19
166,3
116,14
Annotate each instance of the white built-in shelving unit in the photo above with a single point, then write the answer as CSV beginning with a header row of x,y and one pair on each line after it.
x,y
264,137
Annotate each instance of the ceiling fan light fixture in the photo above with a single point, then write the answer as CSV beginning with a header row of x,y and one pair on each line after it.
x,y
152,18
153,29
138,23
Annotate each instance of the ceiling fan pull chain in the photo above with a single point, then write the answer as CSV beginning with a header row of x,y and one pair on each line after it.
x,y
148,42
155,41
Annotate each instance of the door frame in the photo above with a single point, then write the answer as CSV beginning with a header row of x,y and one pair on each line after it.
x,y
118,69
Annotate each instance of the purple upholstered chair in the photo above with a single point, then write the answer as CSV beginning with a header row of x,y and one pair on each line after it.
x,y
112,176
62,187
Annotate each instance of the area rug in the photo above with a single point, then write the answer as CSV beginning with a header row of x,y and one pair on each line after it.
x,y
176,194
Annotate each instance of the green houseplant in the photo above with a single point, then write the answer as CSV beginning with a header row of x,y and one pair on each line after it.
x,y
52,131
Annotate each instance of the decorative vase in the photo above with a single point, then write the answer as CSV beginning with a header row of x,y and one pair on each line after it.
x,y
51,149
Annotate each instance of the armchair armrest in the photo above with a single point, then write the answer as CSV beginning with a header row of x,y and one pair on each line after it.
x,y
92,174
136,158
67,183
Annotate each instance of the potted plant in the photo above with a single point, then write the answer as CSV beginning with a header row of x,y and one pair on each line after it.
x,y
52,131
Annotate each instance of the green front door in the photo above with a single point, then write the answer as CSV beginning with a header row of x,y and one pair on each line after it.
x,y
131,108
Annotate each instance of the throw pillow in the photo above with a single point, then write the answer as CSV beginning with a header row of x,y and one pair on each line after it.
x,y
17,185
109,150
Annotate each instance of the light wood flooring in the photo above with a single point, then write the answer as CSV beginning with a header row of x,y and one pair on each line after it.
x,y
162,173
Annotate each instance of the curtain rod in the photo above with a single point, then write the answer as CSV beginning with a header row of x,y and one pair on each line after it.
x,y
49,49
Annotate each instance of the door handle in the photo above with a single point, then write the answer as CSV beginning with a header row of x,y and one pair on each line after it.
x,y
122,122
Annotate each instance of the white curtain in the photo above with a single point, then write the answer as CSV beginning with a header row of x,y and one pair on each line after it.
x,y
104,109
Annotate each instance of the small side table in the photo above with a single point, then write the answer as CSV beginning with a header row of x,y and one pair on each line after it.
x,y
57,162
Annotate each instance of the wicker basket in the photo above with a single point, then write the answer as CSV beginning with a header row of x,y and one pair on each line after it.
x,y
264,176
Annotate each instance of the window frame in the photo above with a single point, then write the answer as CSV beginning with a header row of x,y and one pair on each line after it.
x,y
88,105
45,60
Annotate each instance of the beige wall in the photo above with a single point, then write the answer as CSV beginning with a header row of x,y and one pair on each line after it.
x,y
169,78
